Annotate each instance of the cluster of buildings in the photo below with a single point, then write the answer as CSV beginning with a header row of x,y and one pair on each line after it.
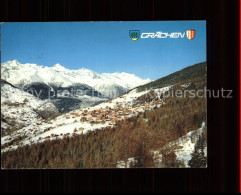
x,y
113,114
103,115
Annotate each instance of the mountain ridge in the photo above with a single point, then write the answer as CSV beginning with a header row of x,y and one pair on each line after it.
x,y
23,74
184,74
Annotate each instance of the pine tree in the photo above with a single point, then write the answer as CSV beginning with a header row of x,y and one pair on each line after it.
x,y
198,158
169,160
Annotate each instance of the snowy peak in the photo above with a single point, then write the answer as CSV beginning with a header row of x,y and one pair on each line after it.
x,y
24,74
127,80
58,67
14,64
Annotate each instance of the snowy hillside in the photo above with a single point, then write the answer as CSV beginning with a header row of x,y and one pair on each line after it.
x,y
19,109
106,83
80,121
185,147
140,128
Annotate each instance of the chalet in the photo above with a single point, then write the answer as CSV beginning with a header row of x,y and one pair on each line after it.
x,y
67,117
83,119
120,112
77,115
97,122
81,129
92,122
98,117
103,114
114,120
90,118
106,117
130,111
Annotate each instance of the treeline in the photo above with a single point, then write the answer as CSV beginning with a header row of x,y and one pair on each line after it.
x,y
104,148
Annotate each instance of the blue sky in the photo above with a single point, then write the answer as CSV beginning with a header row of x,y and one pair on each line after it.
x,y
104,46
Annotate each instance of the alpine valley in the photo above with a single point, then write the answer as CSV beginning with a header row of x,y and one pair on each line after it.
x,y
68,89
116,120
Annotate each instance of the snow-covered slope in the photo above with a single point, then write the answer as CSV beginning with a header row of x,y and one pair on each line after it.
x,y
106,114
81,121
19,109
185,146
106,83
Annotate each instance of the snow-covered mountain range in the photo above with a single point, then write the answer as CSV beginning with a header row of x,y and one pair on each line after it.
x,y
109,84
